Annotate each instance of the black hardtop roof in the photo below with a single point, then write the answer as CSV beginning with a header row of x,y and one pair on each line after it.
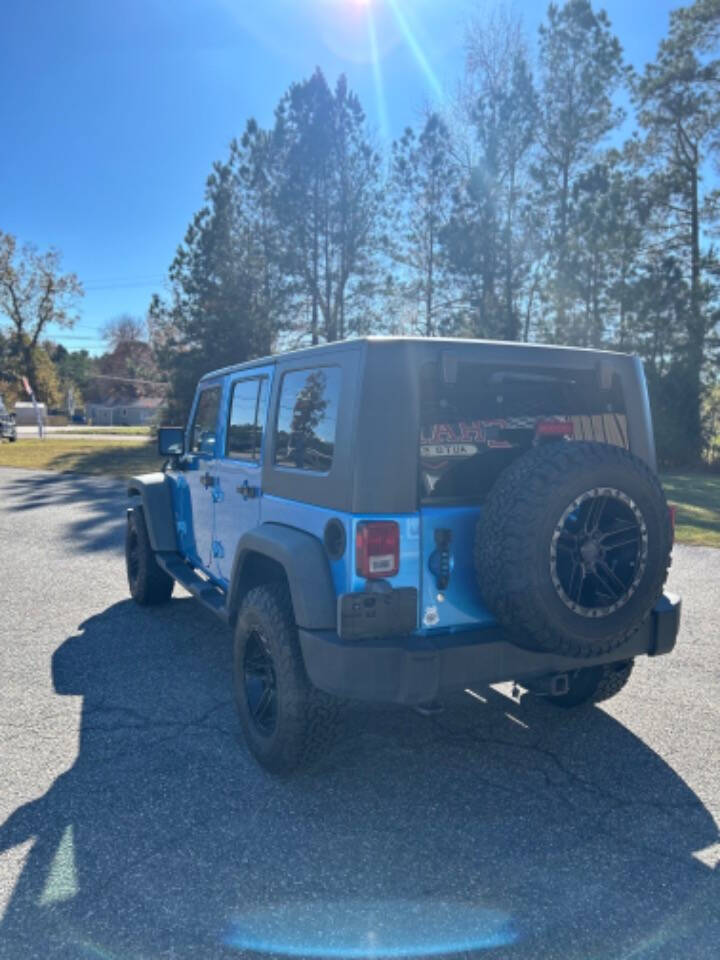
x,y
454,343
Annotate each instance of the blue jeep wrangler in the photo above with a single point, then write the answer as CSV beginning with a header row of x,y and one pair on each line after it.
x,y
392,519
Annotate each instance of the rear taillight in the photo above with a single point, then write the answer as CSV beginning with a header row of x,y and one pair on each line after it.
x,y
377,549
672,510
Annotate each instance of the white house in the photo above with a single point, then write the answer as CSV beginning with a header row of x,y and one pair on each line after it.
x,y
25,415
133,413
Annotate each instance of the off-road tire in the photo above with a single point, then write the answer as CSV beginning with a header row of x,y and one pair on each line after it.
x,y
593,684
148,582
307,720
515,532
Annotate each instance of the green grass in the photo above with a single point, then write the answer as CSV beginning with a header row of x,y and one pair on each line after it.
x,y
697,498
114,457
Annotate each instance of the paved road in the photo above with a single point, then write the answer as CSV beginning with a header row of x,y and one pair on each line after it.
x,y
68,433
135,824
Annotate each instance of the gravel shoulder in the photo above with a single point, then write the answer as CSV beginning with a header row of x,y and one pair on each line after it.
x,y
133,822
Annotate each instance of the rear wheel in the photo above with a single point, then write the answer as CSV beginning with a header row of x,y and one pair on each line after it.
x,y
287,723
148,582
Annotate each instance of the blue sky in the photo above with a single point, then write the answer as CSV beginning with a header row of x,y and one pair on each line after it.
x,y
113,112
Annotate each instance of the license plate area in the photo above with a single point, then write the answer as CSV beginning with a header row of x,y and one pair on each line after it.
x,y
389,614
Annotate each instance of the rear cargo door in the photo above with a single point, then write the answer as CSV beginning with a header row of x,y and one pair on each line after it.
x,y
474,424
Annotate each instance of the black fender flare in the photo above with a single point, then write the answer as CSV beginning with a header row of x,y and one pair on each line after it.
x,y
153,490
303,558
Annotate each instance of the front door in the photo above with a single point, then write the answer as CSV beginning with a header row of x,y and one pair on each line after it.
x,y
238,469
199,473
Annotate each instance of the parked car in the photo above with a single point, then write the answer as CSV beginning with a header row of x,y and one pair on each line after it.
x,y
395,519
8,430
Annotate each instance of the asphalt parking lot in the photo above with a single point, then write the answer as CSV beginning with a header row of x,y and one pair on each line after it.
x,y
133,823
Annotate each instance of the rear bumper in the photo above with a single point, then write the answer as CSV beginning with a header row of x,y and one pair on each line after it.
x,y
417,669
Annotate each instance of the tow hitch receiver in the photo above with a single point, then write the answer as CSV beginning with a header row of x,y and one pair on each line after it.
x,y
550,685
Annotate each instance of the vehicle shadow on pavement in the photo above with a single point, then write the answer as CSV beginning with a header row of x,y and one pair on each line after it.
x,y
96,523
495,829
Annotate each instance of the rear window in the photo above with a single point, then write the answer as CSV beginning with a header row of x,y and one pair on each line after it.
x,y
473,428
307,419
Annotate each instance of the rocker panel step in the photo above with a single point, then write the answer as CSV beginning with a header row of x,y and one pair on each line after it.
x,y
203,590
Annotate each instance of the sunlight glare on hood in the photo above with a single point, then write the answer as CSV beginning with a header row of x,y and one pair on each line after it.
x,y
359,929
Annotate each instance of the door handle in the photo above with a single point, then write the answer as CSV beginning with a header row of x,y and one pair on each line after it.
x,y
247,492
207,480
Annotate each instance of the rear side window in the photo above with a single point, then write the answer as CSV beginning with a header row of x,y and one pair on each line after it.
x,y
307,419
473,428
203,433
246,419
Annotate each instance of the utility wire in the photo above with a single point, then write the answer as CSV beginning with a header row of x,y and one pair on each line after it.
x,y
106,376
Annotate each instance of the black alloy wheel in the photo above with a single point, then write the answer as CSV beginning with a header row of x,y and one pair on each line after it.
x,y
598,552
132,554
260,684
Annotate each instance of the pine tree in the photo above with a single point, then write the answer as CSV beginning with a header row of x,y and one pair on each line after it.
x,y
490,233
678,97
419,203
228,296
611,209
327,204
580,68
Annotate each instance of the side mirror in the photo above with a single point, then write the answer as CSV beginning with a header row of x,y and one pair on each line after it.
x,y
171,441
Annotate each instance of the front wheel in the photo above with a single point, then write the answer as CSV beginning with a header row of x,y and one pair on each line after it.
x,y
148,582
287,723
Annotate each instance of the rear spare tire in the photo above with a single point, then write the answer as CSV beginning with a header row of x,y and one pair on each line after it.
x,y
573,547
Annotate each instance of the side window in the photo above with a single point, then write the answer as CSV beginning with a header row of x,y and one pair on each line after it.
x,y
246,421
307,419
203,433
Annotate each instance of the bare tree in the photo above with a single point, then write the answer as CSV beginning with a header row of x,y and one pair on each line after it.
x,y
124,329
33,294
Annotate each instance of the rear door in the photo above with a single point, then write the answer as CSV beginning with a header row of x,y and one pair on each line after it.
x,y
203,437
238,468
472,428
